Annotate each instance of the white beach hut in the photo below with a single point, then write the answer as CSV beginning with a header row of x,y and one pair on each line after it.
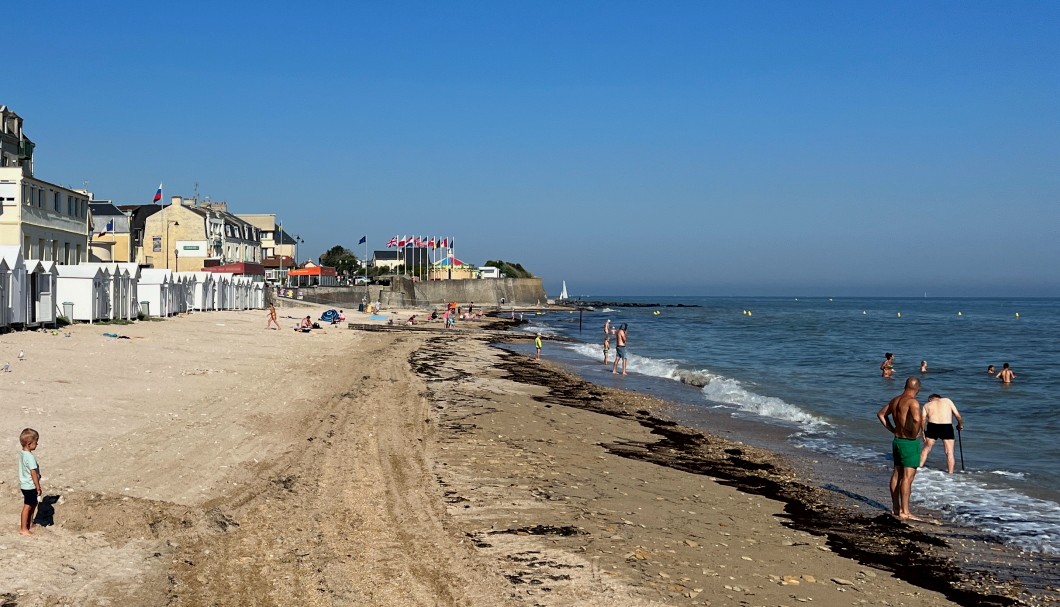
x,y
85,287
190,280
223,291
240,286
258,296
15,300
111,285
119,298
154,289
203,291
176,293
40,286
131,279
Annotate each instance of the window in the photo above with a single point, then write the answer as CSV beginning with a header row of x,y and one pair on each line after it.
x,y
66,253
58,201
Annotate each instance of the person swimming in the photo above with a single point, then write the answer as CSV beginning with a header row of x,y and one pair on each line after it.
x,y
887,366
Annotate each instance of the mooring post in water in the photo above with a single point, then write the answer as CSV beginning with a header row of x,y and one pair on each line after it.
x,y
581,312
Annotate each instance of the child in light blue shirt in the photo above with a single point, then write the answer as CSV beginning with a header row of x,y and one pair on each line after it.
x,y
28,478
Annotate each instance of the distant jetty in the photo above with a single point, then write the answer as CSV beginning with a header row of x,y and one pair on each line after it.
x,y
585,303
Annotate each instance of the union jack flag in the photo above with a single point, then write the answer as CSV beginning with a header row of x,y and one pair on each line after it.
x,y
392,242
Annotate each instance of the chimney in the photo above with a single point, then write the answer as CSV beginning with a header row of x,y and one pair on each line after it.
x,y
177,200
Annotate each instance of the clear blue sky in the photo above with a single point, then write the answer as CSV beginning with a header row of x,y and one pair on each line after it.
x,y
785,148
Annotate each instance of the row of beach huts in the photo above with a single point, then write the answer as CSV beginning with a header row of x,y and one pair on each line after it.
x,y
36,293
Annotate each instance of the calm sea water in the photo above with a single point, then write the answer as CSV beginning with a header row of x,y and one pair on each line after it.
x,y
813,364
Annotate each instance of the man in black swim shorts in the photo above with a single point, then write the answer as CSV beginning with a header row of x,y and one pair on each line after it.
x,y
938,425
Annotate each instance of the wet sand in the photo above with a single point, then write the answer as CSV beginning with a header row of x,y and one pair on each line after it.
x,y
206,461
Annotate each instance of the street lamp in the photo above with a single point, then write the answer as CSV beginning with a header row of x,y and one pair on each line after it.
x,y
169,223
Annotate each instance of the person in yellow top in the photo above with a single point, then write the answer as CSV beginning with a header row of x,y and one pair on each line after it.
x,y
537,344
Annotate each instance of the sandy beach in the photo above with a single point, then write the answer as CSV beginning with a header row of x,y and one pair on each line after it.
x,y
207,461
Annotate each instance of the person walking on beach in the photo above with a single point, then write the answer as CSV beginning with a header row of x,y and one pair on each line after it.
x,y
607,339
537,344
620,349
28,478
272,317
1006,375
887,366
938,417
901,417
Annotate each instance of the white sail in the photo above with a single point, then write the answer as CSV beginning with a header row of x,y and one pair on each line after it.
x,y
563,291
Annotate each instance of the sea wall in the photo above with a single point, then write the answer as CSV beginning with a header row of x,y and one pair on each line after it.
x,y
404,292
485,292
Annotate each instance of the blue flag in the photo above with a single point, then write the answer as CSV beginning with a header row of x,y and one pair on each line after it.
x,y
363,239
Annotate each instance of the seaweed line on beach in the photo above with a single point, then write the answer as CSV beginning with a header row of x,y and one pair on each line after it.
x,y
880,541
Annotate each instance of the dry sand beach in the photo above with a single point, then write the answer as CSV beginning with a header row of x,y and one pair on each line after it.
x,y
207,461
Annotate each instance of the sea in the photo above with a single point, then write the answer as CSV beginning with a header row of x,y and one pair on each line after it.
x,y
809,367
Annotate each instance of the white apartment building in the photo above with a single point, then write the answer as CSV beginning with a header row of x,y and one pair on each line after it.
x,y
49,221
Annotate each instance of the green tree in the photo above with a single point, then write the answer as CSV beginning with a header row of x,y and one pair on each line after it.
x,y
342,259
509,269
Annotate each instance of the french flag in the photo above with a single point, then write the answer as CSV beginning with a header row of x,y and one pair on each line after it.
x,y
158,194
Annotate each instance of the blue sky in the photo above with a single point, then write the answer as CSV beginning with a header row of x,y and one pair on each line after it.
x,y
766,148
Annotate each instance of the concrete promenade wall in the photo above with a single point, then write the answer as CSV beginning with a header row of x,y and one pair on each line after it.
x,y
404,293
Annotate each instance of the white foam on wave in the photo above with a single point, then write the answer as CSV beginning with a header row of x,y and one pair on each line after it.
x,y
1025,522
732,392
1007,473
535,329
714,387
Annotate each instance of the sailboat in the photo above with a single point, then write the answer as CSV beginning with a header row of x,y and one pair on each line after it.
x,y
563,292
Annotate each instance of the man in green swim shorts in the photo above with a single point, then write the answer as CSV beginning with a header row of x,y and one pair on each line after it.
x,y
904,410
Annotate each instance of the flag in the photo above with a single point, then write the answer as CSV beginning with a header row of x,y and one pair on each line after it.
x,y
158,194
392,242
411,242
431,242
109,228
403,241
420,242
363,239
444,244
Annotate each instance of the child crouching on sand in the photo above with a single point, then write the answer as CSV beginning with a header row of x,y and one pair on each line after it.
x,y
28,478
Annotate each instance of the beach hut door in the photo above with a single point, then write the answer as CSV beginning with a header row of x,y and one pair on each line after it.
x,y
32,298
43,289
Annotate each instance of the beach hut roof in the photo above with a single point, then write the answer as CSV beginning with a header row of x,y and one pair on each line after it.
x,y
80,271
132,269
155,276
13,255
